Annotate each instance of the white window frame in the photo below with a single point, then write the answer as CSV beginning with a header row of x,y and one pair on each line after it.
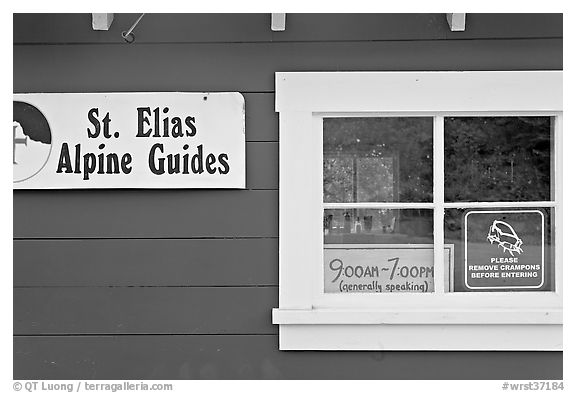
x,y
312,320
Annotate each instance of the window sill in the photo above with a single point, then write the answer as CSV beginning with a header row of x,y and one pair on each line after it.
x,y
500,316
377,330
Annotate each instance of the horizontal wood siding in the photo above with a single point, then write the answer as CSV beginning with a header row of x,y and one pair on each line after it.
x,y
145,262
169,284
145,213
255,357
250,67
144,310
261,119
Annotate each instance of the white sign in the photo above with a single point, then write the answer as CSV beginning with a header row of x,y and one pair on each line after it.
x,y
129,140
382,268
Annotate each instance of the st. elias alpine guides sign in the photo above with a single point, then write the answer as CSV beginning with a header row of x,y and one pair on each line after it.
x,y
129,140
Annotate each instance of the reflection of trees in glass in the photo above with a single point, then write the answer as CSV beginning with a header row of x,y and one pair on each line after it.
x,y
391,157
375,179
338,174
497,159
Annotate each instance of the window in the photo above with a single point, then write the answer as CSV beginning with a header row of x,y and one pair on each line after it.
x,y
420,210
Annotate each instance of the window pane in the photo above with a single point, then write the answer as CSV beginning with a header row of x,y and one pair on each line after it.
x,y
377,160
500,249
497,158
378,250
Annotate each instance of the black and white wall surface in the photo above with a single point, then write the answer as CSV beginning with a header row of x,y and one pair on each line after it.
x,y
180,283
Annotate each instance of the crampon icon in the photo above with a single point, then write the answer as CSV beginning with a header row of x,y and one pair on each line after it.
x,y
504,236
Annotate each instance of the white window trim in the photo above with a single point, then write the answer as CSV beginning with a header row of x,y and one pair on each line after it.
x,y
310,319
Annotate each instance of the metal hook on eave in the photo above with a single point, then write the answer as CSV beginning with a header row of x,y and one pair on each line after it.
x,y
129,36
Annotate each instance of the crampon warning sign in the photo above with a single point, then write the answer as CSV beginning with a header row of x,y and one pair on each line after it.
x,y
504,249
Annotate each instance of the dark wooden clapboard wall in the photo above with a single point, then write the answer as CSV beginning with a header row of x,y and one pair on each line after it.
x,y
169,284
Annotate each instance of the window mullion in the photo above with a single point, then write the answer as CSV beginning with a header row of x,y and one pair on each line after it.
x,y
378,205
480,205
438,189
557,190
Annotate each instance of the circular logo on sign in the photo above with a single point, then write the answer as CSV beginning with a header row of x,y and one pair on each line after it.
x,y
32,141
